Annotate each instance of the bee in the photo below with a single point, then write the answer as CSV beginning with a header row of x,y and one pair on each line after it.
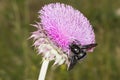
x,y
79,52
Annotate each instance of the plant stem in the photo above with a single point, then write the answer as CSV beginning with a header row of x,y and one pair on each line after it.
x,y
43,70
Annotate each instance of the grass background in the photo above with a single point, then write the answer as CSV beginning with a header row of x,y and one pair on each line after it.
x,y
19,60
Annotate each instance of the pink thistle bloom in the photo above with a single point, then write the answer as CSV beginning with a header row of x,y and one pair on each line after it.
x,y
66,30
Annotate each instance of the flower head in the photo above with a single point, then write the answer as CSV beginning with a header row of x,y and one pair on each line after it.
x,y
62,26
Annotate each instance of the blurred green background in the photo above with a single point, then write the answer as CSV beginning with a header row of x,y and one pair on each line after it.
x,y
19,60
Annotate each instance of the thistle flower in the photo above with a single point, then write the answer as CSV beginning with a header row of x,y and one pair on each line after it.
x,y
63,34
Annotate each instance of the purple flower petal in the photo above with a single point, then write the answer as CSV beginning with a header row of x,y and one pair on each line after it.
x,y
65,24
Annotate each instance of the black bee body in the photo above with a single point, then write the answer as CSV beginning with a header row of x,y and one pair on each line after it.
x,y
79,52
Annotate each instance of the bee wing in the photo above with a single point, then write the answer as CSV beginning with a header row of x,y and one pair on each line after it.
x,y
89,46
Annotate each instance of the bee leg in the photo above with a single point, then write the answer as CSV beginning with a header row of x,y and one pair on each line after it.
x,y
73,61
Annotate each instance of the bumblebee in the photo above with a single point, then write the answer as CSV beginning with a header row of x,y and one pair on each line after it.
x,y
78,53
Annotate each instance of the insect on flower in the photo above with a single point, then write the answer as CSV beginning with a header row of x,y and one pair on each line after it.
x,y
63,34
79,52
